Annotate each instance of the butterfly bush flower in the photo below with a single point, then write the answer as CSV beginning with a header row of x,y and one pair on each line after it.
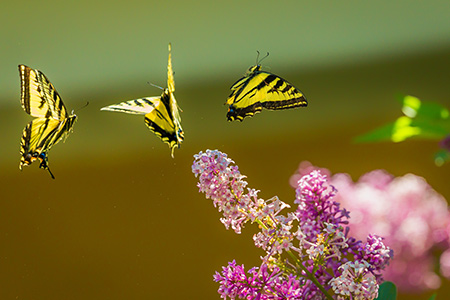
x,y
412,217
309,253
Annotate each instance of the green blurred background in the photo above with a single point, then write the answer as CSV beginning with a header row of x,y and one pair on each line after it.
x,y
123,220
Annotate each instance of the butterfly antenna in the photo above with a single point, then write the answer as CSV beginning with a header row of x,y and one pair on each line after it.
x,y
267,54
157,86
78,109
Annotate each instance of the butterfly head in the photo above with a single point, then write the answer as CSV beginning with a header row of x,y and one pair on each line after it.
x,y
257,67
253,69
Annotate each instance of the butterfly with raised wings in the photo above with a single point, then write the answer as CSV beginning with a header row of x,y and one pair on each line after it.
x,y
260,89
40,99
161,113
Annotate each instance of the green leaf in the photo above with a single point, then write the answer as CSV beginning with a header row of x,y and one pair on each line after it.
x,y
403,129
413,107
387,291
433,297
426,120
383,133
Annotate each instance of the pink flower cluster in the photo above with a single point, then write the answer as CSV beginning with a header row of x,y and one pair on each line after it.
x,y
412,217
309,254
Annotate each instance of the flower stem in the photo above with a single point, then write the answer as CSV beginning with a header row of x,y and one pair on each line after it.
x,y
310,276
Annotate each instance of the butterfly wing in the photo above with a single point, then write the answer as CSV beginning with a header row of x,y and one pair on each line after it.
x,y
39,97
161,113
140,106
169,96
242,101
170,77
259,90
158,116
39,136
162,122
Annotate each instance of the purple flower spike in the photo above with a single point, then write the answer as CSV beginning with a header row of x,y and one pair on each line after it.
x,y
376,253
316,205
308,253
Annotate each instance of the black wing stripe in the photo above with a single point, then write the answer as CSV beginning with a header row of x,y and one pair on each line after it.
x,y
65,130
277,86
252,92
170,137
291,103
289,88
25,77
240,113
165,99
266,81
249,94
140,102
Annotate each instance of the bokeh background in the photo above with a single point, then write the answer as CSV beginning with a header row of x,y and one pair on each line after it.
x,y
122,219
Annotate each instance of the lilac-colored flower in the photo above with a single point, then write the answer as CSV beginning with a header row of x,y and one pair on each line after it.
x,y
376,253
276,236
316,206
355,282
259,283
413,219
304,250
224,184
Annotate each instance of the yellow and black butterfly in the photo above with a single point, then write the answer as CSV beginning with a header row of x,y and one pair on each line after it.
x,y
260,89
161,112
40,99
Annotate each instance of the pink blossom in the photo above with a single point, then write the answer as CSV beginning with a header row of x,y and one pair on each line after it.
x,y
305,249
412,217
355,281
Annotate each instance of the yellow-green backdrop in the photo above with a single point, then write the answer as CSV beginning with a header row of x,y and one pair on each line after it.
x,y
122,219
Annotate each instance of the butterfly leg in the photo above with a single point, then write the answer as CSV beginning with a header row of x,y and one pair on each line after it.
x,y
44,164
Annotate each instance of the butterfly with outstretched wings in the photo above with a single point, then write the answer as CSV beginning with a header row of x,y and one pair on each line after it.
x,y
40,99
161,113
260,89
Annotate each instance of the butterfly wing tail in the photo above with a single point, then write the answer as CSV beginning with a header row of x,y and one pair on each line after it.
x,y
235,113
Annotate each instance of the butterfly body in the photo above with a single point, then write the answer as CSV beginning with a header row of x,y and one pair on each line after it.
x,y
260,89
52,122
161,113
